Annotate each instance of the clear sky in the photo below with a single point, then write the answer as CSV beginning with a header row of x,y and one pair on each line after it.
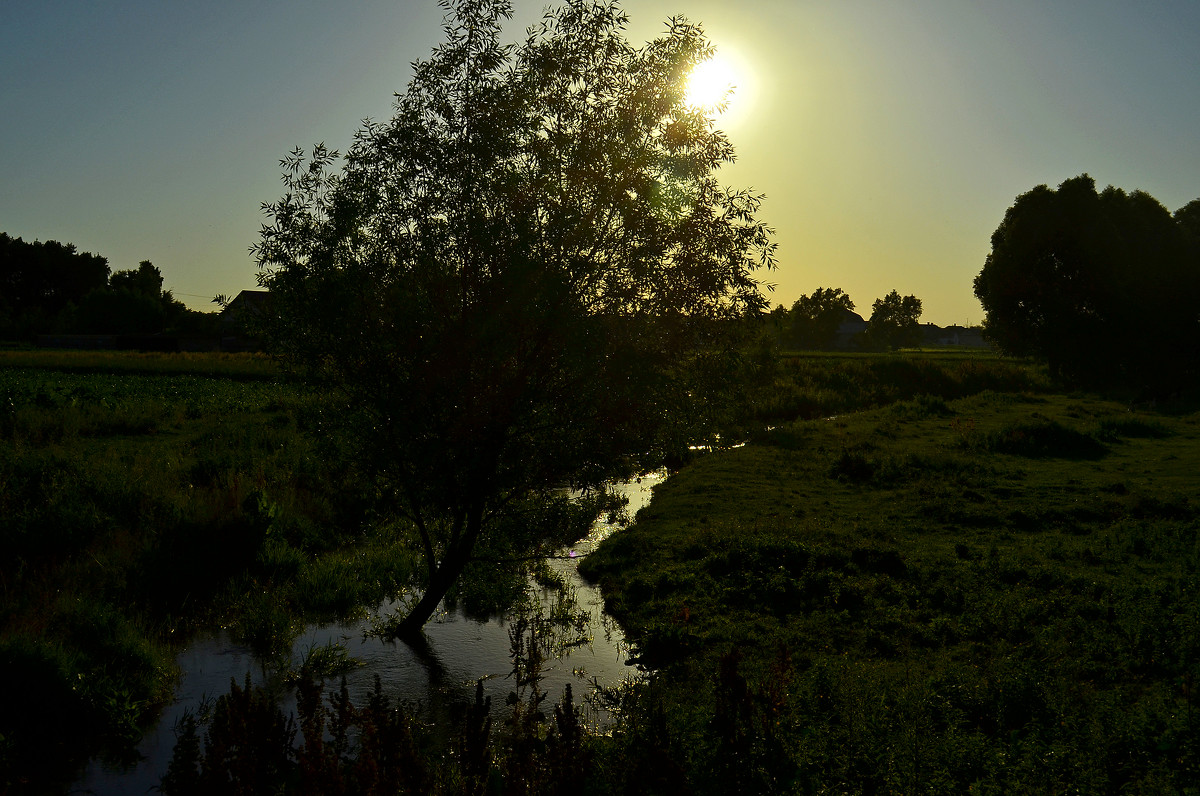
x,y
889,135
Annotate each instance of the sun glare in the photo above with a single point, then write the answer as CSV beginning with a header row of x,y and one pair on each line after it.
x,y
711,82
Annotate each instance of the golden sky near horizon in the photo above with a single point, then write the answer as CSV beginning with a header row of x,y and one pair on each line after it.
x,y
888,136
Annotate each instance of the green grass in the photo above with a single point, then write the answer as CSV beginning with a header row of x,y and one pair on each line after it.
x,y
815,385
145,497
924,573
997,592
220,365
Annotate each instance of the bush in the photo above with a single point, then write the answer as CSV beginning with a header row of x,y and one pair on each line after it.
x,y
1111,429
1044,438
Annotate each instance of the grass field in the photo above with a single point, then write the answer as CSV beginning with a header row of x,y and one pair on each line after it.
x,y
147,496
993,593
923,573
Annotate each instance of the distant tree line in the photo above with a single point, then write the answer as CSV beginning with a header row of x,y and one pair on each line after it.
x,y
53,288
826,320
1103,286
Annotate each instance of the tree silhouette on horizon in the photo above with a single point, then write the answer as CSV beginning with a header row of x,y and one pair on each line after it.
x,y
1102,285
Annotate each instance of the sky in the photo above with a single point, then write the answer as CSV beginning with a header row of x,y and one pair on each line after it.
x,y
889,137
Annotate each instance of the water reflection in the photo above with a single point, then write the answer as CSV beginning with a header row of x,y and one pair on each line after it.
x,y
438,675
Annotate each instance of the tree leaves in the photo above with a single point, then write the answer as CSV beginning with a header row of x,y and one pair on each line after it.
x,y
509,277
1102,285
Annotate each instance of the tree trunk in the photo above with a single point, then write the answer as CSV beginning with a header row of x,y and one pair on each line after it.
x,y
441,580
412,625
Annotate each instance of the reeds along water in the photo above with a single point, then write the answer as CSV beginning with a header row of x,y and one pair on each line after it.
x,y
554,640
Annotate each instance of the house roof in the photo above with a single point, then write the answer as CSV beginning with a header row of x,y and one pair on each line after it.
x,y
253,301
850,316
246,308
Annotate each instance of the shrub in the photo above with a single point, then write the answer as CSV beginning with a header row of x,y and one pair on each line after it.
x,y
1111,429
1044,439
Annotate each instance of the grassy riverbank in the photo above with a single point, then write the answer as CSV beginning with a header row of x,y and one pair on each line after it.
x,y
924,573
144,497
991,591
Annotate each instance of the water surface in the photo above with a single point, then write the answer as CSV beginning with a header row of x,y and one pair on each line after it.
x,y
460,652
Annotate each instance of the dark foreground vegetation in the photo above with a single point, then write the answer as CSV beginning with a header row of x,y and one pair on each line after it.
x,y
924,573
144,497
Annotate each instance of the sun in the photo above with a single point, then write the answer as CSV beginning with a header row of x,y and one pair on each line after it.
x,y
711,83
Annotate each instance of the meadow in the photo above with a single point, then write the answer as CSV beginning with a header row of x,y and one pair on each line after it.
x,y
922,573
958,590
148,497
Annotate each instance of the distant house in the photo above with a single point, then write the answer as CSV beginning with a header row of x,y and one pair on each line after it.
x,y
241,318
852,326
954,335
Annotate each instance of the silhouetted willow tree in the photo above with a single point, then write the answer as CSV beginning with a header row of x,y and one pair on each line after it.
x,y
1104,286
507,278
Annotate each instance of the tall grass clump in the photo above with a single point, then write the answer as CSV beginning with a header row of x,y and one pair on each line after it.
x,y
1041,437
1112,429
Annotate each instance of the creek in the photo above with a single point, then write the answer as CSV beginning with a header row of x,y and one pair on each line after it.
x,y
459,653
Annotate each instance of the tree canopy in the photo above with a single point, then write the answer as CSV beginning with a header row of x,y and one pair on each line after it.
x,y
1104,286
146,280
895,322
41,280
511,280
815,319
134,304
52,288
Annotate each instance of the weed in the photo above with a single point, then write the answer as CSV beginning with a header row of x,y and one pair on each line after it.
x,y
321,661
379,746
922,407
853,465
265,626
998,593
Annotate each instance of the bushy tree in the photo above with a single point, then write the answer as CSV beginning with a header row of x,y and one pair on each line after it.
x,y
134,303
42,282
510,280
1104,286
895,322
146,280
815,319
1188,219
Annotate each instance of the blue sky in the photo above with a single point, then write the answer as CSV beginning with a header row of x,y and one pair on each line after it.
x,y
888,136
